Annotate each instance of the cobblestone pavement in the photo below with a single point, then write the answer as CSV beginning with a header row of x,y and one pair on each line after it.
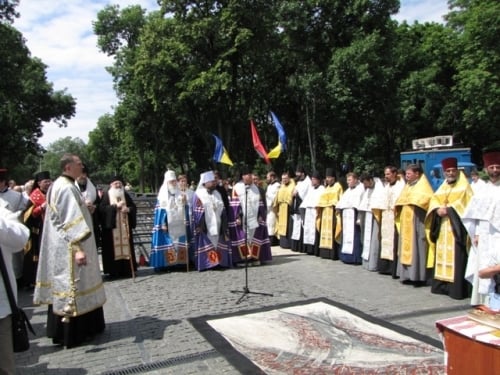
x,y
147,327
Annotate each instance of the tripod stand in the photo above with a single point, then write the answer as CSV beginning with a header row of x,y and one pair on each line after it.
x,y
246,291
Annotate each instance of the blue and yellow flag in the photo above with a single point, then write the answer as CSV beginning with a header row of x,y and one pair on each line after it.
x,y
220,153
276,152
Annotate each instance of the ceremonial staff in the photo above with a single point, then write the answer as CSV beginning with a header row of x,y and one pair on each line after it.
x,y
186,216
186,226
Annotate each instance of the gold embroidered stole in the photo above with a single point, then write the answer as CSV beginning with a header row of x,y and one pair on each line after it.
x,y
412,196
282,218
326,234
387,221
282,202
121,243
442,253
387,229
327,203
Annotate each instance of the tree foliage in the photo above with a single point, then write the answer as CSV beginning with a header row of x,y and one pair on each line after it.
x,y
54,152
351,86
8,10
343,77
27,99
476,89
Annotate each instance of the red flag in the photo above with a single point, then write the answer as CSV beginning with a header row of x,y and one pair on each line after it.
x,y
257,144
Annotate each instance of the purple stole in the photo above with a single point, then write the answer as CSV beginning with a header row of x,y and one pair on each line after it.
x,y
260,246
206,255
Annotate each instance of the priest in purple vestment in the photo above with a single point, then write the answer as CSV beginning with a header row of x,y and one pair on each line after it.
x,y
249,235
211,243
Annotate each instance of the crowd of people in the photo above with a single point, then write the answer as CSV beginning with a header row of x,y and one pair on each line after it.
x,y
68,278
395,225
398,226
216,225
50,232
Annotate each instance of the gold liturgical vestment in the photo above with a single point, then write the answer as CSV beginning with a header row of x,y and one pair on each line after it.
x,y
442,253
327,203
120,233
282,203
413,195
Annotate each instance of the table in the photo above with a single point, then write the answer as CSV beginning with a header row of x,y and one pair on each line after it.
x,y
470,346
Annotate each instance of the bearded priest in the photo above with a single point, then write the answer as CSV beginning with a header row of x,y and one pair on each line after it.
x,y
118,218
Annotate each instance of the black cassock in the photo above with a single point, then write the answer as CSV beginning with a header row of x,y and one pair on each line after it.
x,y
116,268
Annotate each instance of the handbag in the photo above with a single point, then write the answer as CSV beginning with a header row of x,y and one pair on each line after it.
x,y
20,322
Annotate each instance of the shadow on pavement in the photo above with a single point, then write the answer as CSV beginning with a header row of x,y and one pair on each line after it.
x,y
285,258
41,369
436,310
142,328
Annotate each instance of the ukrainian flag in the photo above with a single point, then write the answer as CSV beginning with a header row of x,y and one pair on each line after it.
x,y
220,153
276,152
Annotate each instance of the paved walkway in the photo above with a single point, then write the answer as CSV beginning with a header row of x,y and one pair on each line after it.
x,y
147,327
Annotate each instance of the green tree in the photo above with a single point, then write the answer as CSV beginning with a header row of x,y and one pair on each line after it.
x,y
27,99
474,109
8,10
350,85
429,57
118,33
331,43
57,149
206,68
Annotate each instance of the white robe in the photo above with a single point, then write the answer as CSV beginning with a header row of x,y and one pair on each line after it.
x,y
249,198
13,236
477,186
301,189
175,204
213,207
90,193
482,218
309,204
68,225
348,204
387,228
371,199
271,192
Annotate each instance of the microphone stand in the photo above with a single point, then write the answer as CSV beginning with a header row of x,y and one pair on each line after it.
x,y
186,224
246,291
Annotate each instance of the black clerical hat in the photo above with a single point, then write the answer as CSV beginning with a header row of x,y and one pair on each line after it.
x,y
116,178
44,175
245,169
316,174
329,172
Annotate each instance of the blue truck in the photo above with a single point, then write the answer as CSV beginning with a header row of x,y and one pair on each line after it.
x,y
428,153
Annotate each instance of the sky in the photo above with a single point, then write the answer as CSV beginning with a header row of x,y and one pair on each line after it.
x,y
60,34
